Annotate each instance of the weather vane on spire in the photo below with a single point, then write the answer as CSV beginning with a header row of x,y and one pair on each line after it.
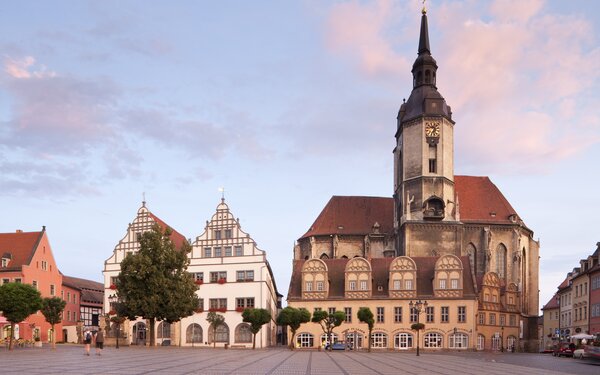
x,y
424,10
222,190
144,198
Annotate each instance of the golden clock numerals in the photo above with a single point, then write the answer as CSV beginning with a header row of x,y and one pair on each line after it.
x,y
432,129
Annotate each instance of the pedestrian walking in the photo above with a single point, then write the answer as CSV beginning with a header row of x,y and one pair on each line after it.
x,y
99,341
87,340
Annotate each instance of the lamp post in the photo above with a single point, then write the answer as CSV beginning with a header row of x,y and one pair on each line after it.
x,y
418,308
502,339
113,299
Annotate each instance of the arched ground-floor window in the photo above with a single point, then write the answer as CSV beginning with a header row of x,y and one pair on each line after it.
x,y
325,340
496,342
458,341
433,340
378,340
243,333
354,340
403,341
511,343
193,334
305,340
221,334
480,342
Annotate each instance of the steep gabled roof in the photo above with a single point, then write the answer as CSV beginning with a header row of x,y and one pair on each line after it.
x,y
480,200
552,304
21,247
177,238
81,284
353,215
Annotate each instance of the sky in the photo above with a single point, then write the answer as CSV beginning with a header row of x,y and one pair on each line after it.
x,y
284,104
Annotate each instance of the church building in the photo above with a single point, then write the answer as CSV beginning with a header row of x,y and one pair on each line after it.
x,y
452,241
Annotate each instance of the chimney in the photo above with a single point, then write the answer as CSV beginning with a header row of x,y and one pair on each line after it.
x,y
19,231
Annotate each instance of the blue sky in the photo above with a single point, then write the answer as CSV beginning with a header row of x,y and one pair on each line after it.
x,y
286,104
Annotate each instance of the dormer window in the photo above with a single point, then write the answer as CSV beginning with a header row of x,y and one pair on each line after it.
x,y
5,262
6,258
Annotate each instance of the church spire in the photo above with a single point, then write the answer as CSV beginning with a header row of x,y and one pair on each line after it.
x,y
424,36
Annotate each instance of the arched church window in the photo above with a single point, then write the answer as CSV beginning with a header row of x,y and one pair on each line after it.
x,y
472,253
501,261
427,76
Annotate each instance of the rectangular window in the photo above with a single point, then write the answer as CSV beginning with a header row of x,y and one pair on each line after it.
x,y
502,319
217,235
201,303
218,252
414,316
363,285
245,275
68,296
227,233
331,310
207,252
492,319
398,314
218,303
380,313
52,290
319,286
454,283
442,283
244,303
198,276
318,309
68,315
5,281
445,314
462,314
228,252
238,251
481,318
4,262
352,285
429,314
348,313
432,159
512,320
44,265
18,280
408,284
34,284
397,284
308,286
215,277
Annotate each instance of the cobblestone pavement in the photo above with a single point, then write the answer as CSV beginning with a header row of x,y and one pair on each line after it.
x,y
69,359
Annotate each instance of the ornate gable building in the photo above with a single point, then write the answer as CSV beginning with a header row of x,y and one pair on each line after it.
x,y
485,257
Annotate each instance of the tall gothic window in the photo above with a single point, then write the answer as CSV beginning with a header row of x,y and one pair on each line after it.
x,y
501,261
432,158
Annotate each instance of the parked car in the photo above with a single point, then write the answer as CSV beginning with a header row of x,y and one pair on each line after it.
x,y
338,345
580,354
565,350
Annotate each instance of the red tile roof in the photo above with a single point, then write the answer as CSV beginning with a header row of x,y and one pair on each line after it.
x,y
177,238
552,304
20,246
77,283
480,200
353,215
380,277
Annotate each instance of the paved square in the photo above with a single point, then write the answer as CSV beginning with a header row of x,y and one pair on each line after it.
x,y
69,359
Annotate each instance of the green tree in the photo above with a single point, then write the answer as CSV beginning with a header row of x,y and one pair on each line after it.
x,y
328,322
257,318
365,315
214,320
293,318
154,283
52,309
17,302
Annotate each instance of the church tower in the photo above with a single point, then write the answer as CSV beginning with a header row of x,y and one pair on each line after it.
x,y
424,153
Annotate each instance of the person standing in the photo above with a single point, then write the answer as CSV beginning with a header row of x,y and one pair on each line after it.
x,y
87,340
99,341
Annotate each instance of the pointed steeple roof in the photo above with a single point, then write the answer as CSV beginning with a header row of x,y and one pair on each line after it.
x,y
424,36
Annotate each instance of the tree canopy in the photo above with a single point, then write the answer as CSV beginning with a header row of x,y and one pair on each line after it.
x,y
257,318
328,322
17,302
214,320
365,315
293,318
154,283
52,309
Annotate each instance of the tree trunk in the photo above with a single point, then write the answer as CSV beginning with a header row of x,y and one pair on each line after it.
x,y
214,338
292,340
152,338
370,330
254,341
12,334
53,338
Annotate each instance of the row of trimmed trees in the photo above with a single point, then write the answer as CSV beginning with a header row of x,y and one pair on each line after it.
x,y
294,318
18,301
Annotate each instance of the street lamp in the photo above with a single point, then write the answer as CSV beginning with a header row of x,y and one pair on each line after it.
x,y
418,308
113,300
502,339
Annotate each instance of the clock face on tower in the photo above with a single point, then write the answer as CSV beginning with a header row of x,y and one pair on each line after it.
x,y
432,129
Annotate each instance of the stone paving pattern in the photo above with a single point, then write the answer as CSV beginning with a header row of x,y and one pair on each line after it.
x,y
69,359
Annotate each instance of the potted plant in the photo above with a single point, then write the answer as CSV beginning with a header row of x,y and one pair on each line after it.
x,y
199,282
221,281
112,312
113,286
222,309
